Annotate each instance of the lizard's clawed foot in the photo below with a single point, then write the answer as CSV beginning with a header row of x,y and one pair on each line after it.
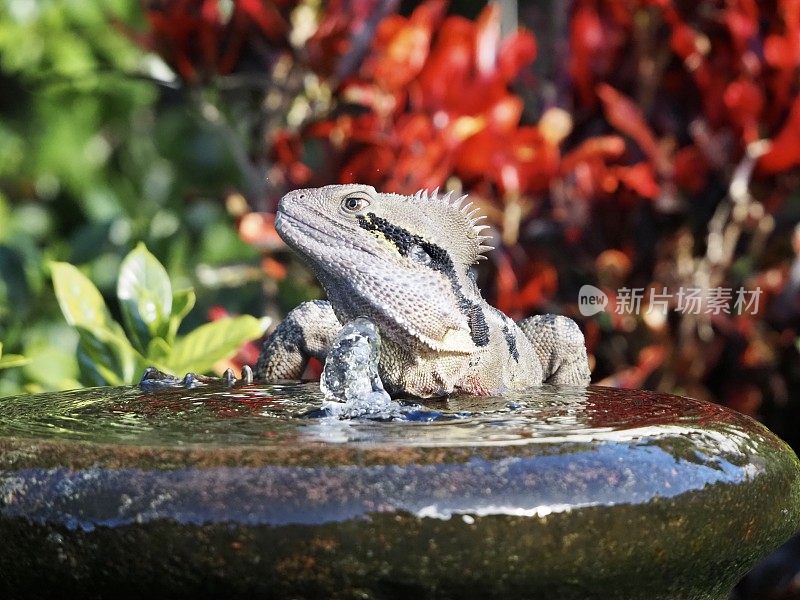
x,y
561,348
155,379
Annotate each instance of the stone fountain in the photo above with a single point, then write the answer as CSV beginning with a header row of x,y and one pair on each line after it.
x,y
215,491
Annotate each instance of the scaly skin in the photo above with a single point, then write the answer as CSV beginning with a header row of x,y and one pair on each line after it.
x,y
404,263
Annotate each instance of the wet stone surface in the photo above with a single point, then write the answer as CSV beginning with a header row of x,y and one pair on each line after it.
x,y
558,493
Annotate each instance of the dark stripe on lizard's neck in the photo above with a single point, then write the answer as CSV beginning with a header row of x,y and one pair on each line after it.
x,y
440,261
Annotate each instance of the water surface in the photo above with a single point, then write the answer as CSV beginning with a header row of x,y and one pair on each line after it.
x,y
272,415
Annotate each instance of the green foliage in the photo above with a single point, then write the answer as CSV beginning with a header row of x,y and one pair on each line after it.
x,y
110,354
11,360
95,153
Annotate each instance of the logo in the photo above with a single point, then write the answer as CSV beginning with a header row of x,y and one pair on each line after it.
x,y
591,300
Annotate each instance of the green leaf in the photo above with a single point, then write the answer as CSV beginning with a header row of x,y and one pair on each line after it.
x,y
107,358
51,348
145,296
12,360
157,349
182,303
53,368
94,373
212,342
80,301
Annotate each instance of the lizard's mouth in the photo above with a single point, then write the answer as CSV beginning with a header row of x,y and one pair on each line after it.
x,y
291,229
295,232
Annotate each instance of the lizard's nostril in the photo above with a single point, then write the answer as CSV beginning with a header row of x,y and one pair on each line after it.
x,y
290,199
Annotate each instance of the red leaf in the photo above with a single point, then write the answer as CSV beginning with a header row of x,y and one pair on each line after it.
x,y
274,269
690,169
208,32
373,165
379,100
476,157
192,38
517,52
286,148
742,21
444,77
506,282
587,41
650,358
639,178
402,45
625,116
745,101
504,114
429,14
783,51
536,159
541,285
778,52
784,152
217,312
602,147
683,40
266,16
520,161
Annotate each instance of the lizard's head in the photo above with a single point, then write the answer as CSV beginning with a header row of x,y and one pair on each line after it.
x,y
402,261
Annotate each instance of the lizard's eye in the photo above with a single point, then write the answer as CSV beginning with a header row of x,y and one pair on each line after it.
x,y
355,204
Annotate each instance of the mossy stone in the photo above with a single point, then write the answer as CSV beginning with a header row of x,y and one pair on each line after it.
x,y
560,493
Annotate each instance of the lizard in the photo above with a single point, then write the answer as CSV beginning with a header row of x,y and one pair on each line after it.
x,y
404,262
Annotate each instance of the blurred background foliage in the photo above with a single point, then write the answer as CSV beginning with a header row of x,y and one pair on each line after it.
x,y
652,144
97,154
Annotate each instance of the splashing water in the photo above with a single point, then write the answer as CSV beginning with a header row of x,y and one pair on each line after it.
x,y
350,381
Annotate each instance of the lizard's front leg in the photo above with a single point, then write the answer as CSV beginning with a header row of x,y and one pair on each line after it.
x,y
560,347
308,330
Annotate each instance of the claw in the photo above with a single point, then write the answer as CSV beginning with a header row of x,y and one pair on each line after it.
x,y
191,380
152,378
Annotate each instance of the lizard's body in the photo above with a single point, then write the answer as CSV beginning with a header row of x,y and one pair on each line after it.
x,y
403,262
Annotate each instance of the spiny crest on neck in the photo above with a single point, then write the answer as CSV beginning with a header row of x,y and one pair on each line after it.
x,y
462,212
